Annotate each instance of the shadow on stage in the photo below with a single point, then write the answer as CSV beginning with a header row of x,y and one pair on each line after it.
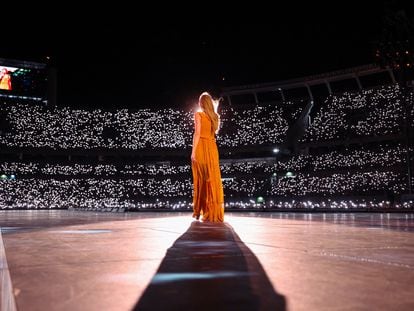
x,y
210,268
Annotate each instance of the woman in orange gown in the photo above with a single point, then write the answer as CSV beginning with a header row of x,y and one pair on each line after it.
x,y
5,80
208,197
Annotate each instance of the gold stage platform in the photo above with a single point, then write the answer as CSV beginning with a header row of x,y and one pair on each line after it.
x,y
69,260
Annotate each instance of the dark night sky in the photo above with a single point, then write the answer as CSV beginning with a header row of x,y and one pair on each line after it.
x,y
135,57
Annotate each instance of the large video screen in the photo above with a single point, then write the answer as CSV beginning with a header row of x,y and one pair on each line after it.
x,y
21,81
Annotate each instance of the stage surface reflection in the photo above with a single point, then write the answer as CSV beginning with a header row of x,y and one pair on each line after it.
x,y
68,260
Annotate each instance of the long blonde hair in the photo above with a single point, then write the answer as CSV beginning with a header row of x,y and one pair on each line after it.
x,y
207,104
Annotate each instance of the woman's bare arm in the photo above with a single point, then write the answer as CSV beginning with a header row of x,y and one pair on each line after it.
x,y
196,136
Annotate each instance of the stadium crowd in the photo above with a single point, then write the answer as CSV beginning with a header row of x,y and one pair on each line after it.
x,y
360,169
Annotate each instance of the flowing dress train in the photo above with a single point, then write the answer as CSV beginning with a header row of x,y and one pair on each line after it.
x,y
208,196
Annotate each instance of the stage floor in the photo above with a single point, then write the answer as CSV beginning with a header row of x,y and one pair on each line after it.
x,y
68,260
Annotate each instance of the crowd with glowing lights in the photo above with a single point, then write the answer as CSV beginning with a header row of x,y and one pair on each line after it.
x,y
362,169
153,193
35,126
382,155
83,184
372,112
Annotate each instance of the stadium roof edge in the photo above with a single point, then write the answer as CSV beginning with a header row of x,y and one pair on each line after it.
x,y
307,80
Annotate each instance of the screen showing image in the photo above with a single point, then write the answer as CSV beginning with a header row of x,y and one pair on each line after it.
x,y
23,81
5,77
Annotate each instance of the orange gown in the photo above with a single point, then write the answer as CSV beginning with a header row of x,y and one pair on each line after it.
x,y
5,82
208,196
